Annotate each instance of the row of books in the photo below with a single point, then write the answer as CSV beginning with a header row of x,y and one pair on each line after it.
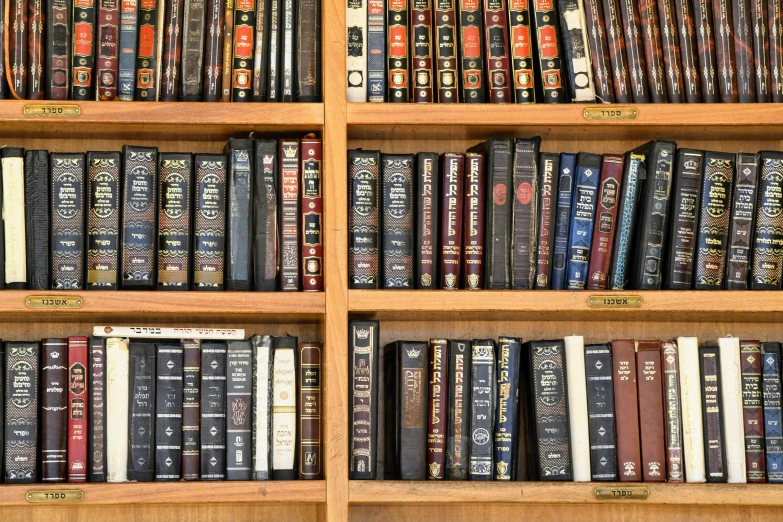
x,y
247,219
561,410
113,409
162,50
608,51
504,215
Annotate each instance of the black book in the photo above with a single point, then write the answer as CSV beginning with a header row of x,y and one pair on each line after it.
x,y
743,215
507,375
14,244
168,412
213,411
386,398
307,54
191,409
363,207
141,425
261,52
286,436
2,267
36,209
21,411
287,50
773,434
768,233
634,177
524,221
683,231
548,177
239,229
274,87
458,427
68,238
96,440
175,221
482,409
239,408
397,220
209,228
54,409
600,413
2,408
426,265
139,218
363,364
103,220
266,236
712,414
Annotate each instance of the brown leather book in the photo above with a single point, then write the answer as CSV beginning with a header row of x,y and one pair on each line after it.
x,y
35,49
743,51
599,51
172,51
617,51
309,408
724,51
688,51
651,34
605,220
421,51
758,11
626,410
17,48
191,408
704,29
670,44
752,412
228,48
637,64
437,408
473,228
649,376
213,56
452,167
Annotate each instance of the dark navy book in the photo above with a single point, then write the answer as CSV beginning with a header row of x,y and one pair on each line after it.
x,y
773,419
580,237
565,188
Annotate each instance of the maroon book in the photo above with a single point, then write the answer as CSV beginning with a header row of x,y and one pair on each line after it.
x,y
634,47
626,410
688,51
599,51
496,30
724,50
452,167
775,31
759,30
35,49
437,408
702,19
473,228
312,216
648,17
605,220
743,51
78,402
617,51
172,51
651,417
421,51
752,410
17,48
670,43
108,47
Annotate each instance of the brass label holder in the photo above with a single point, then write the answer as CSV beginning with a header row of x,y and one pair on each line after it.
x,y
614,301
622,493
53,302
610,113
52,110
54,496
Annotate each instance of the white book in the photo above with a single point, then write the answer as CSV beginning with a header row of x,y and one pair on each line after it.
x,y
117,366
692,427
356,57
262,405
577,407
13,216
155,332
578,52
284,412
731,402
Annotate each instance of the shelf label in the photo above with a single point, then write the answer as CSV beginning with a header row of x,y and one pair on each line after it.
x,y
54,496
53,302
614,301
52,110
613,113
624,493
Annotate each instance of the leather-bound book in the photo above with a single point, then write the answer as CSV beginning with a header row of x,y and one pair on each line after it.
x,y
724,50
398,48
578,423
36,209
649,377
288,51
743,213
35,49
471,52
690,401
760,67
191,408
151,15
599,51
743,50
651,34
284,414
714,455
310,406
68,238
213,411
600,413
239,214
363,352
263,357
549,441
437,407
107,44
96,442
17,48
312,216
576,53
266,186
771,394
421,51
363,198
58,51
117,406
239,398
172,50
671,50
386,464
357,60
168,412
139,218
397,220
605,221
752,410
274,91
767,258
78,408
244,45
637,63
626,410
497,51
521,47
689,52
482,409
141,422
22,382
473,228
209,222
497,226
547,200
710,265
524,220
103,220
731,397
290,216
2,401
549,52
672,411
213,53
617,51
507,408
580,234
704,29
54,409
458,426
446,45
427,226
565,200
453,187
190,77
175,216
225,82
376,50
129,29
14,218
683,231
82,69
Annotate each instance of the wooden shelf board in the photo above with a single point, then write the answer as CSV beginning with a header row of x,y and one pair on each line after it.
x,y
295,491
429,492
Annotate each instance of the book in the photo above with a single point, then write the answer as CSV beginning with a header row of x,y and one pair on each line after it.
x,y
578,422
732,392
213,411
426,232
724,50
192,55
549,55
397,220
617,51
191,408
139,217
649,380
266,186
168,411
767,259
471,51
78,409
692,425
650,26
107,47
157,332
421,51
437,407
363,263
2,401
507,410
482,408
743,50
670,46
290,216
673,412
148,59
22,401
128,44
576,57
580,235
312,216
103,220
213,52
600,413
288,50
239,405
626,410
175,216
773,437
634,175
637,63
605,220
209,222
356,58
473,228
497,51
752,410
274,90
599,51
263,357
84,29
14,218
704,29
761,54
68,238
58,50
458,424
35,49
775,25
688,51
362,398
141,422
453,192
243,48
239,215
54,409
445,53
524,213
743,213
547,199
398,50
376,50
308,52
37,219
714,455
565,196
117,406
284,414
96,439
521,47
310,405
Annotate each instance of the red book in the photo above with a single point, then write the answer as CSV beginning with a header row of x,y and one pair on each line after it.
x,y
605,220
626,411
651,416
451,224
437,408
473,228
107,47
77,409
496,30
312,216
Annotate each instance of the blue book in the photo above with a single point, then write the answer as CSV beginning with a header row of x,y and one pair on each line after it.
x,y
506,410
773,418
126,83
376,51
633,178
580,236
565,187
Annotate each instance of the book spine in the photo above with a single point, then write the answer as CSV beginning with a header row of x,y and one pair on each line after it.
x,y
506,421
421,51
498,224
191,408
752,412
58,51
239,215
457,434
686,208
473,228
617,51
671,50
626,411
209,232
213,55
239,399
357,53
129,19
724,50
672,410
692,425
471,42
310,407
497,51
21,411
168,412
547,200
17,47
363,219
175,218
714,221
139,213
146,52
103,220
576,51
437,404
565,196
284,385
35,49
398,48
96,444
732,424
482,398
773,418
227,52
426,232
447,70
651,410
743,51
397,221
600,412
36,206
648,17
82,74
172,50
263,357
141,424
213,411
288,51
702,16
743,211
759,30
714,455
274,91
265,199
362,398
107,42
78,409
767,258
599,51
376,51
688,51
549,53
312,216
14,218
193,31
521,47
117,405
524,233
578,422
405,373
244,45
453,183
290,270
605,220
580,240
68,235
635,51
54,410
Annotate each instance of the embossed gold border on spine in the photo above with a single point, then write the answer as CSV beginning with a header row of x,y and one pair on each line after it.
x,y
622,493
54,496
610,113
614,301
52,110
53,302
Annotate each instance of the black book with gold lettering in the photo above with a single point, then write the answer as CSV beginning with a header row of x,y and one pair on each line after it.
x,y
239,229
209,222
709,269
103,220
363,355
68,236
175,219
768,236
139,218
